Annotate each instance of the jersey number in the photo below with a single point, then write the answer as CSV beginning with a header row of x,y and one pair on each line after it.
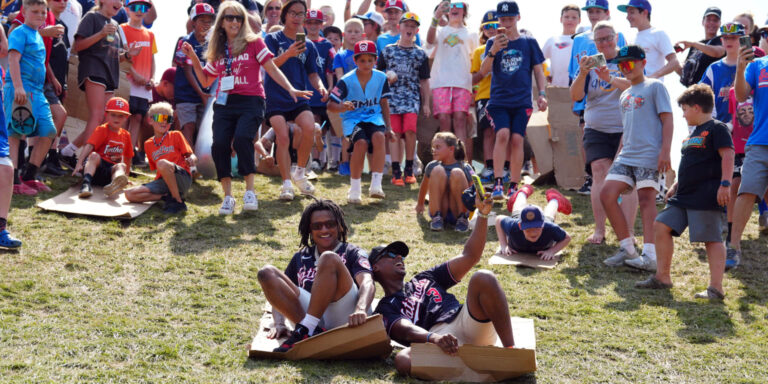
x,y
435,295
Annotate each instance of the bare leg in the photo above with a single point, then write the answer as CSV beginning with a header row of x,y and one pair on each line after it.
x,y
437,182
282,142
609,196
41,149
189,132
96,97
403,362
458,183
226,185
629,205
486,301
742,210
665,247
358,159
93,162
410,145
445,122
500,152
461,129
281,293
305,121
332,282
516,158
378,158
167,171
716,256
141,194
6,190
647,197
599,171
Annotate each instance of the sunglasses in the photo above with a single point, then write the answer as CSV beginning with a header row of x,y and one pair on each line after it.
x,y
491,26
457,5
317,226
162,119
273,8
232,18
142,8
626,66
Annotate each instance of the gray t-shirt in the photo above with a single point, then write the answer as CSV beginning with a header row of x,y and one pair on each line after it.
x,y
602,110
448,168
640,108
102,59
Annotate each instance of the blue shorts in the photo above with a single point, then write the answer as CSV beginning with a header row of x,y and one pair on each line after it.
x,y
40,109
514,119
4,148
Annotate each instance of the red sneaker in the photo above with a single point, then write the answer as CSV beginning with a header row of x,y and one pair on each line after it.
x,y
23,189
410,179
398,181
526,189
36,185
563,204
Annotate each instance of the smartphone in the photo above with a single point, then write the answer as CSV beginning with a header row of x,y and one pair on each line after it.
x,y
502,31
745,41
597,61
679,48
301,38
478,186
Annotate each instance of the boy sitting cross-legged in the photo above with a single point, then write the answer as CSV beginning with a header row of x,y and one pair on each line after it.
x,y
170,154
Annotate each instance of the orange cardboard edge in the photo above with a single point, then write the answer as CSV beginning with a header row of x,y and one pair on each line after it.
x,y
529,260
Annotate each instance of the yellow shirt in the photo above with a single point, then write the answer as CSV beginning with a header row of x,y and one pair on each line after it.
x,y
483,88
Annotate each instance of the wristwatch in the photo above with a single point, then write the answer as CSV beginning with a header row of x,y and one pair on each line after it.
x,y
725,183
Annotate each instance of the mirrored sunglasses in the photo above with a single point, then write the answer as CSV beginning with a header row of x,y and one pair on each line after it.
x,y
162,119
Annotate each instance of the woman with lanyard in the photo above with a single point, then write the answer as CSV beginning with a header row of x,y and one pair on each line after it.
x,y
297,58
235,57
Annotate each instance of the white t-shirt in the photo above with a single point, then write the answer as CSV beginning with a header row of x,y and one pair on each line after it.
x,y
558,50
453,58
657,46
71,18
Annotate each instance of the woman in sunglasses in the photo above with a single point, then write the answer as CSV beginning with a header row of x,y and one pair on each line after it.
x,y
235,57
328,283
271,14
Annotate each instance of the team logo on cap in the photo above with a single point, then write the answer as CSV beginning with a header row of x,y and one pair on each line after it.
x,y
623,51
591,3
364,263
119,103
505,7
530,215
313,13
363,47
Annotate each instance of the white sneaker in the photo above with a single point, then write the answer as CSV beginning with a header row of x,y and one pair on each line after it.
x,y
417,166
618,258
286,193
227,206
305,186
376,192
387,168
250,203
643,262
354,197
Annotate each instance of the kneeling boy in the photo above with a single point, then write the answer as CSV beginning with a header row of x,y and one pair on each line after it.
x,y
108,152
170,154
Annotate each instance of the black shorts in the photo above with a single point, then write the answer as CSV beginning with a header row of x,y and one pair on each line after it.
x,y
291,152
109,86
599,145
482,115
103,174
738,162
138,105
365,131
322,116
287,115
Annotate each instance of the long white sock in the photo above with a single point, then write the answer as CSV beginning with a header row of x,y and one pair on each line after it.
x,y
335,148
287,183
650,250
354,184
299,173
69,150
628,245
310,322
376,179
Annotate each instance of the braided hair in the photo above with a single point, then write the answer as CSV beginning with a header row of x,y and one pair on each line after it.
x,y
321,205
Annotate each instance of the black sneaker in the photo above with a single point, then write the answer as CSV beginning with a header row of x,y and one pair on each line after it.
x,y
173,207
300,333
139,160
52,166
586,189
86,191
68,161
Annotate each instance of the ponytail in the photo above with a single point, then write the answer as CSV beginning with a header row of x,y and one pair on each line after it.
x,y
451,140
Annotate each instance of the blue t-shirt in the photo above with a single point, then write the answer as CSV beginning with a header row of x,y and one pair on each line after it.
x,y
29,43
344,60
550,235
719,76
757,77
512,68
301,270
183,91
367,102
296,69
584,45
325,53
386,39
4,149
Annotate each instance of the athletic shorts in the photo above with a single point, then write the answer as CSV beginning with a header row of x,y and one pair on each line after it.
x,y
287,115
103,174
634,177
6,161
754,173
322,114
467,329
41,110
483,122
738,163
447,100
337,313
183,181
514,119
138,105
703,226
364,131
404,122
50,94
599,145
107,84
189,113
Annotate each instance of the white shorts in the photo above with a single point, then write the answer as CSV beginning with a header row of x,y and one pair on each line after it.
x,y
6,161
337,313
468,330
634,177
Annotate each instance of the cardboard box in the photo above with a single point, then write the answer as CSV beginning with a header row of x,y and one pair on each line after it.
x,y
368,341
478,363
75,102
529,260
538,134
115,207
566,139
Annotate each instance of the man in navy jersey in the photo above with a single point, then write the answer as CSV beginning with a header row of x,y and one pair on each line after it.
x,y
326,284
422,311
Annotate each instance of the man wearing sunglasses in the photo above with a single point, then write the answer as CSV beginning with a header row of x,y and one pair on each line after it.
x,y
421,310
702,53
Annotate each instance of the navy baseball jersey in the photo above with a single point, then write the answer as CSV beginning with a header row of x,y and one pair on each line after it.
x,y
302,269
424,301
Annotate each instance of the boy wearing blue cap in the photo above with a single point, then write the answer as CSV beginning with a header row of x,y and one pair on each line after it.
x,y
530,230
512,58
659,52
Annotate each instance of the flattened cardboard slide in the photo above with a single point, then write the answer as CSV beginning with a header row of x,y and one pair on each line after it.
x,y
529,260
566,139
365,342
538,134
478,364
96,205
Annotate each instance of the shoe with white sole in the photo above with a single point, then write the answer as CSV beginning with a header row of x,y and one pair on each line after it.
x,y
354,197
644,262
618,258
227,206
250,203
286,193
376,192
116,186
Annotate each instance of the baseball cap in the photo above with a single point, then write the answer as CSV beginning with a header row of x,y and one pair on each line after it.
x,y
365,47
396,247
531,217
372,16
118,105
713,11
412,17
732,29
630,52
507,8
201,9
397,4
602,4
489,18
129,2
314,14
169,75
641,4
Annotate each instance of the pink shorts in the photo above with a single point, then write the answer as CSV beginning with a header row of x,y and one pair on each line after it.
x,y
448,100
403,122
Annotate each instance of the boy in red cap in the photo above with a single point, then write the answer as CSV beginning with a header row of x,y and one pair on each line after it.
x,y
108,152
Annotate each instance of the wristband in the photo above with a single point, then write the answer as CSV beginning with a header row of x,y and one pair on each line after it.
x,y
543,93
435,22
479,214
428,336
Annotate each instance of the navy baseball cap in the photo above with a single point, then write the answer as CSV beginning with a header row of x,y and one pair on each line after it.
x,y
630,53
395,247
713,11
602,4
489,18
507,8
641,4
531,217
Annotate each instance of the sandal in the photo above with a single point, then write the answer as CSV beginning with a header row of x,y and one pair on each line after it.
x,y
652,283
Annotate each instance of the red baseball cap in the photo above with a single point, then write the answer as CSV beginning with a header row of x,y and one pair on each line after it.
x,y
118,105
314,14
365,47
201,9
394,4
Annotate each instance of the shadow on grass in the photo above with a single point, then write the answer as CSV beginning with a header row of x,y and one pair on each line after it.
x,y
753,274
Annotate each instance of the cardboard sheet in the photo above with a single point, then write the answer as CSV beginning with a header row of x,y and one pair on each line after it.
x,y
116,207
479,363
538,134
529,260
368,341
566,139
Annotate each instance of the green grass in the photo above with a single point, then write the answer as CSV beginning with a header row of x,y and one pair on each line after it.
x,y
175,299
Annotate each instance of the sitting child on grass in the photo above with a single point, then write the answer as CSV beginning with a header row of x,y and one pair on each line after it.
x,y
108,152
530,230
445,178
170,154
264,149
